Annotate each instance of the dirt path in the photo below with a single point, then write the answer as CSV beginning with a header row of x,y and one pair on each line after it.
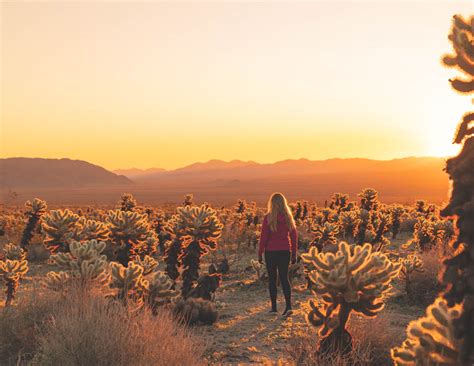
x,y
245,332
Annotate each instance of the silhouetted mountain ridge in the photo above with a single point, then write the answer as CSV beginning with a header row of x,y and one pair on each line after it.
x,y
56,173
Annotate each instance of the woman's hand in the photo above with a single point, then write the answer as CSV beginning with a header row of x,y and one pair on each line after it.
x,y
260,259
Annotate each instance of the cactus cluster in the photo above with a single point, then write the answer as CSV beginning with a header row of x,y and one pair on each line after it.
x,y
127,202
353,279
35,210
203,228
129,232
84,263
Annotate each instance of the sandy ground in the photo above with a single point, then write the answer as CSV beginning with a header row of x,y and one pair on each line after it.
x,y
246,332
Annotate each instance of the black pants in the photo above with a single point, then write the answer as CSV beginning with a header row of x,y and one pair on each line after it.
x,y
278,260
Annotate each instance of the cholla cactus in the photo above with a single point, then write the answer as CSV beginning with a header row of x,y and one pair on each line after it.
x,y
410,265
365,231
354,279
127,281
84,264
369,199
158,290
11,271
349,221
459,269
382,223
91,230
173,252
423,236
339,202
127,202
60,227
188,200
258,268
35,210
396,212
159,225
13,252
325,235
432,339
128,231
204,228
148,263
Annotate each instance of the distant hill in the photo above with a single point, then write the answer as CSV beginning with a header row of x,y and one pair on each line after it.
x,y
218,182
134,172
35,173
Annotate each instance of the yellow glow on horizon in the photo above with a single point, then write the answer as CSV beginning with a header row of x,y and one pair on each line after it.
x,y
156,84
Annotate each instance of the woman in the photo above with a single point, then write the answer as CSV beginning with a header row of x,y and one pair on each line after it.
x,y
279,241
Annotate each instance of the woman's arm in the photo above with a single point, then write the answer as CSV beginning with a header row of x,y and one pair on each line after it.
x,y
294,243
263,237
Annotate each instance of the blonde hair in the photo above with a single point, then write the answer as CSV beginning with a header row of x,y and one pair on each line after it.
x,y
277,204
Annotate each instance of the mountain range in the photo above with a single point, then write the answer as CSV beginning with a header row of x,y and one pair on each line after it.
x,y
220,182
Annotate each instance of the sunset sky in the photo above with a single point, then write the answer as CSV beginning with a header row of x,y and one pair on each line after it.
x,y
154,84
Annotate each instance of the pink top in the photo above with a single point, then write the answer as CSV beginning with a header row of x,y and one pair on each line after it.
x,y
281,239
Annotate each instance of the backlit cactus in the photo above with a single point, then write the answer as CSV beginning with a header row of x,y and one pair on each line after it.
x,y
13,252
127,281
432,339
84,264
204,228
459,270
325,235
91,230
369,199
35,210
60,227
127,202
11,271
158,290
148,263
349,221
411,264
396,211
353,279
128,232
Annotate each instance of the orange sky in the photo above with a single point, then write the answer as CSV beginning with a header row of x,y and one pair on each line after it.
x,y
147,84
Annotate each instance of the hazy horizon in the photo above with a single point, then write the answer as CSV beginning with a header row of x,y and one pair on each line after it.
x,y
168,84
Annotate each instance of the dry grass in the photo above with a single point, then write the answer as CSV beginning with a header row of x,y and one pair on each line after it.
x,y
90,330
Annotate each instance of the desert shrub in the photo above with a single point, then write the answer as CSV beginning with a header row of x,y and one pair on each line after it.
x,y
194,311
90,330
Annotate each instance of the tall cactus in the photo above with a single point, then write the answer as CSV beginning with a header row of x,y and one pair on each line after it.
x,y
35,210
60,227
203,228
459,270
11,271
354,279
127,202
128,231
369,199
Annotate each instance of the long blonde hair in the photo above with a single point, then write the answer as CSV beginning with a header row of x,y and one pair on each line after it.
x,y
277,204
